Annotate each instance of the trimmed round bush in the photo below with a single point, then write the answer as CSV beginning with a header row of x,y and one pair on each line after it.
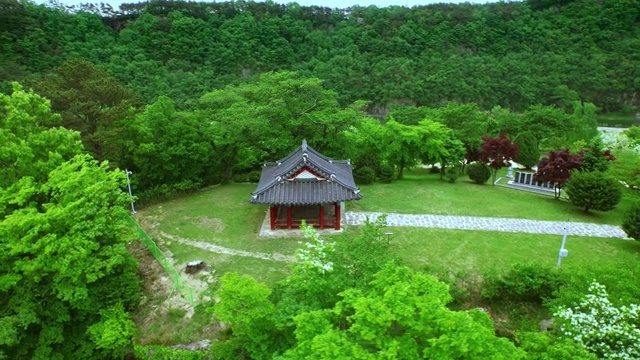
x,y
479,173
593,191
364,175
631,222
434,169
523,282
452,174
386,173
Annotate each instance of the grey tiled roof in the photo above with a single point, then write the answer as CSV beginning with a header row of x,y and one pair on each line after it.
x,y
276,188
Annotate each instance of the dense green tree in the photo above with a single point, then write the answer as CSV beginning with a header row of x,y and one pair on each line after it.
x,y
593,191
261,322
546,123
631,222
33,144
176,150
544,346
53,295
585,122
245,307
93,103
365,145
528,153
352,262
468,123
557,168
498,152
595,157
263,121
429,141
66,277
400,315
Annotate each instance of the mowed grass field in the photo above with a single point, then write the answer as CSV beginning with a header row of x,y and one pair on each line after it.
x,y
424,193
223,216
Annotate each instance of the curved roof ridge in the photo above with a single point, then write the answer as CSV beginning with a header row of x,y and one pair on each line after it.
x,y
338,172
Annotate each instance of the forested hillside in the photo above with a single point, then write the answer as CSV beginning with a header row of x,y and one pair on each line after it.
x,y
511,54
184,95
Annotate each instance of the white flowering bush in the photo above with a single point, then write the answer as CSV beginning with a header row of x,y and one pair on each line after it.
x,y
315,253
603,329
618,141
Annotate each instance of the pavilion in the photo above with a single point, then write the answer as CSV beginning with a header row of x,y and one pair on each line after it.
x,y
305,185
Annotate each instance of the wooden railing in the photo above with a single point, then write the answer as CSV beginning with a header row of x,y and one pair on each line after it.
x,y
295,224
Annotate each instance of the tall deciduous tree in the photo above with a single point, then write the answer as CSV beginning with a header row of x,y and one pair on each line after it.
x,y
366,144
557,168
66,277
64,261
176,151
498,152
400,315
33,144
546,123
429,141
263,121
245,307
93,103
468,122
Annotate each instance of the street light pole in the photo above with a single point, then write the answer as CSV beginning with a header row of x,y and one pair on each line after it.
x,y
563,252
126,171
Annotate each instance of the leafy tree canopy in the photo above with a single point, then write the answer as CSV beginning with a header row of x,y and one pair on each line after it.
x,y
400,315
93,103
66,277
557,168
263,121
498,152
593,191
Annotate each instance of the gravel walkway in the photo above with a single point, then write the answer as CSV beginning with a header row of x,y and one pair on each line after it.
x,y
227,251
491,224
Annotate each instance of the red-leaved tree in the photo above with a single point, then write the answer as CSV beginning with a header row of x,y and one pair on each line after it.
x,y
557,168
497,152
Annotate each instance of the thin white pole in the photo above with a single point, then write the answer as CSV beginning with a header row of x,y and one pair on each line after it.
x,y
126,171
564,239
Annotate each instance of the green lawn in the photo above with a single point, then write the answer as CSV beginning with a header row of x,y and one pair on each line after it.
x,y
223,216
424,193
479,251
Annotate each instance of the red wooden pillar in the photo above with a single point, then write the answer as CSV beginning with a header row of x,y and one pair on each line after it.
x,y
337,207
321,216
274,215
289,216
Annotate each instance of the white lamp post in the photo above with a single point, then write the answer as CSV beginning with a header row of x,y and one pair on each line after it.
x,y
126,171
563,252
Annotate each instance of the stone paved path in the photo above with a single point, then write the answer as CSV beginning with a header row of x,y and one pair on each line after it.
x,y
491,224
